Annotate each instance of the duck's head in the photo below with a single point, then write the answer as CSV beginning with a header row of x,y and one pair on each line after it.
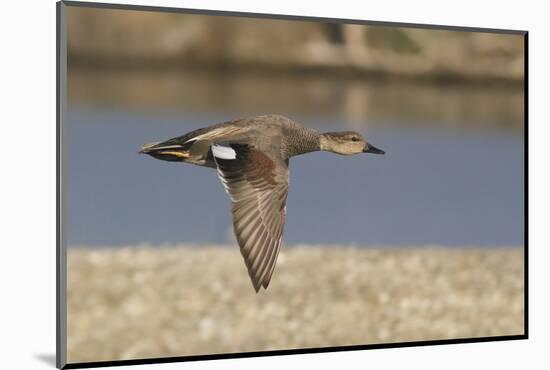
x,y
346,143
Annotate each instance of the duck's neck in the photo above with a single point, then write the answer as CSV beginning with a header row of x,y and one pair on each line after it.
x,y
305,141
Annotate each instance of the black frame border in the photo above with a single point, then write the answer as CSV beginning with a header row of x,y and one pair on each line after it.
x,y
301,351
61,66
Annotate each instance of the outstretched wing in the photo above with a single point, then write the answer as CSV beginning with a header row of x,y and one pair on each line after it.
x,y
258,186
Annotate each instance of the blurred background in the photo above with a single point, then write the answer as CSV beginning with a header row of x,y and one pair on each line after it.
x,y
446,106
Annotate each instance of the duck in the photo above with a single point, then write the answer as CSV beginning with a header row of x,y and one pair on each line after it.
x,y
251,157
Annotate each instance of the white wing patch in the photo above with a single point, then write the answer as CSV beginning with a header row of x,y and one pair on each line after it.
x,y
223,152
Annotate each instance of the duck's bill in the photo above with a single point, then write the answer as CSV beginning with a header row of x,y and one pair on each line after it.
x,y
372,149
165,152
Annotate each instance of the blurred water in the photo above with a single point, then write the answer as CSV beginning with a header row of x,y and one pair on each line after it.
x,y
434,186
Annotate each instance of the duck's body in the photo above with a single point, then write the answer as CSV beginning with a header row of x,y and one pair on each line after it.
x,y
272,134
251,156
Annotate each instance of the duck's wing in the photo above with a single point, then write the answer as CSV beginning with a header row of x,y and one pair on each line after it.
x,y
257,183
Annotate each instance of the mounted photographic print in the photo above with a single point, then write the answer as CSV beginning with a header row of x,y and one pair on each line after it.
x,y
234,184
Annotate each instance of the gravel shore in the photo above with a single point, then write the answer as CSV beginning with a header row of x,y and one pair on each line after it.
x,y
144,302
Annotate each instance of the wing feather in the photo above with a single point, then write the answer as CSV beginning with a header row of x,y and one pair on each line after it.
x,y
257,184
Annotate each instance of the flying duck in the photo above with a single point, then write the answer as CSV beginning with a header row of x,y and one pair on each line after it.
x,y
251,157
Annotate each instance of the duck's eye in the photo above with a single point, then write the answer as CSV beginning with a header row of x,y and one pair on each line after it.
x,y
354,138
